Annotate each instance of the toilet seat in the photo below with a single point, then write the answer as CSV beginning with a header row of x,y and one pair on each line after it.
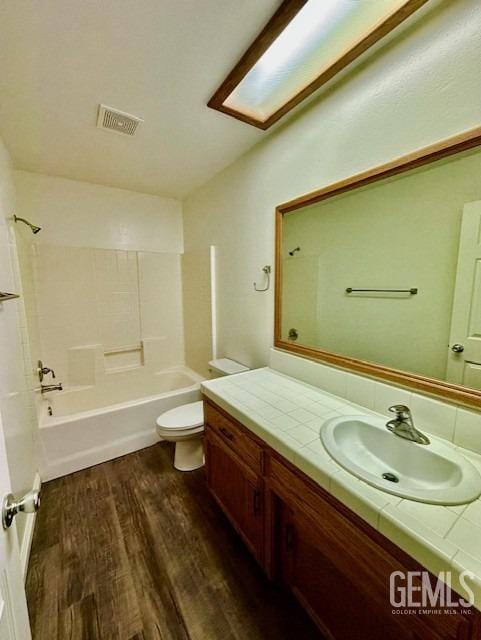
x,y
188,418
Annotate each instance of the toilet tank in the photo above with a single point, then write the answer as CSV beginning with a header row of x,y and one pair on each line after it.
x,y
225,367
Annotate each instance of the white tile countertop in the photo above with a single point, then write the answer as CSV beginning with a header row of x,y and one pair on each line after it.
x,y
288,414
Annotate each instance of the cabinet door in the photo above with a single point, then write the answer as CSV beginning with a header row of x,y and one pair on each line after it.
x,y
239,492
326,576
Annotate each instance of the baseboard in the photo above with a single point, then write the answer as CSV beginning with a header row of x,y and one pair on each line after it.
x,y
90,457
28,531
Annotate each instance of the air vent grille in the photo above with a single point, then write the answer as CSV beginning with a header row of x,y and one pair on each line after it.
x,y
118,121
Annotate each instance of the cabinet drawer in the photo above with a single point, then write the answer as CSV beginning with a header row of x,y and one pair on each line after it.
x,y
235,437
281,476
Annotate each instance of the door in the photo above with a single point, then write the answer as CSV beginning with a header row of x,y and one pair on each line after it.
x,y
14,623
239,492
464,356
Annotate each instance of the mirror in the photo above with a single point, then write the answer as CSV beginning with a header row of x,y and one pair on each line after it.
x,y
385,277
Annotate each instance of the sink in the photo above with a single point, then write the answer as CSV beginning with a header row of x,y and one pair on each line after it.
x,y
435,473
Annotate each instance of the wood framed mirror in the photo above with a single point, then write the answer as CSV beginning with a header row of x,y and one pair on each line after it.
x,y
380,273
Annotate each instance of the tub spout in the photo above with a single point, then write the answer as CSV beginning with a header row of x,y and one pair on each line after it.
x,y
45,388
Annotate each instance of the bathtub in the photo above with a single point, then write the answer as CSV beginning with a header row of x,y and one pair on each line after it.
x,y
83,426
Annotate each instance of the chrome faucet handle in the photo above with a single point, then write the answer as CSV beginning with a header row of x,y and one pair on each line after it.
x,y
403,425
401,411
43,371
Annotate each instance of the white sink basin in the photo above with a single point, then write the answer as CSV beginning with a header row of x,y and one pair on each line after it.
x,y
434,473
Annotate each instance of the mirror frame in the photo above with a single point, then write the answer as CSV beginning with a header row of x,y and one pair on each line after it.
x,y
447,391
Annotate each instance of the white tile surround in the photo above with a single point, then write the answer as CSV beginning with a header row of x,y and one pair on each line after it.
x,y
90,299
287,403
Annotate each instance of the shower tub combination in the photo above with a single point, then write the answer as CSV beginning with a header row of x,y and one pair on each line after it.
x,y
83,426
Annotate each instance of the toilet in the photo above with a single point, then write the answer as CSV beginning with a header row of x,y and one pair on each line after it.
x,y
184,425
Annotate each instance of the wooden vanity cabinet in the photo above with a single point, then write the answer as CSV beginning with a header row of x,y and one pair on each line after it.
x,y
313,566
234,465
238,491
334,563
236,437
339,568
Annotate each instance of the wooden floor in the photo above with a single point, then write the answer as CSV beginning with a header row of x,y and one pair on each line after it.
x,y
133,550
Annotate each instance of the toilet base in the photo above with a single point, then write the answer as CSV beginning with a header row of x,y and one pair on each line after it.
x,y
189,454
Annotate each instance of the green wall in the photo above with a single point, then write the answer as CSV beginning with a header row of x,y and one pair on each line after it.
x,y
399,233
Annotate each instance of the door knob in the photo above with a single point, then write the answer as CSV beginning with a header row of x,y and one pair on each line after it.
x,y
457,348
30,503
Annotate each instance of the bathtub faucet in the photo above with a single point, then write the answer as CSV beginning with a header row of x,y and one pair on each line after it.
x,y
45,388
43,371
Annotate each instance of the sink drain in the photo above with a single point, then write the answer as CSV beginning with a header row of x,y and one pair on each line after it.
x,y
390,476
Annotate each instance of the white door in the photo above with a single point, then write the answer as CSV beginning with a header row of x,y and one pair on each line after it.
x,y
464,355
14,623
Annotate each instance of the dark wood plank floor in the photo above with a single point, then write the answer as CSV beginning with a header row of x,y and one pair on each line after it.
x,y
134,550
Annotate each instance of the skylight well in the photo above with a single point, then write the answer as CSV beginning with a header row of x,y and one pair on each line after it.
x,y
303,46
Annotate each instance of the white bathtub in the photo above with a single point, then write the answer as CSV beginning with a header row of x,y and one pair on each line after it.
x,y
93,424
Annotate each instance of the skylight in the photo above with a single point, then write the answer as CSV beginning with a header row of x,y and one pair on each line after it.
x,y
316,41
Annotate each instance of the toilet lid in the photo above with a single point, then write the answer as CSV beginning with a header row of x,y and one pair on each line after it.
x,y
186,416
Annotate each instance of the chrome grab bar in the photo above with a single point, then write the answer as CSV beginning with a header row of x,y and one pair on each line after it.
x,y
412,291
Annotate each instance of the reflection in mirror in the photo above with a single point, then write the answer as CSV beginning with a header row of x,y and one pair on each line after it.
x,y
414,241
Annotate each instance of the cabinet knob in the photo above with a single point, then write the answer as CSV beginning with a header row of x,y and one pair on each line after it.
x,y
257,502
289,540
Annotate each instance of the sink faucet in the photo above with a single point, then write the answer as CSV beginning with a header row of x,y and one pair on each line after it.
x,y
403,426
45,388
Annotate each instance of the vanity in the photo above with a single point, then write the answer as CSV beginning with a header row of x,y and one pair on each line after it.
x,y
359,511
310,525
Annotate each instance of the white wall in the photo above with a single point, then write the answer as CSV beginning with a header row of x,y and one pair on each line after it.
x,y
16,377
80,214
423,86
197,303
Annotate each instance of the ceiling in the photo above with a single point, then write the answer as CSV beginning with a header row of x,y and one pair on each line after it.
x,y
157,59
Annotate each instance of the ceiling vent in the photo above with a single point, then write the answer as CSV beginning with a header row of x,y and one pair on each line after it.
x,y
118,121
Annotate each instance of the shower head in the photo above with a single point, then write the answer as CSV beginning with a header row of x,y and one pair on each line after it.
x,y
291,253
33,227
